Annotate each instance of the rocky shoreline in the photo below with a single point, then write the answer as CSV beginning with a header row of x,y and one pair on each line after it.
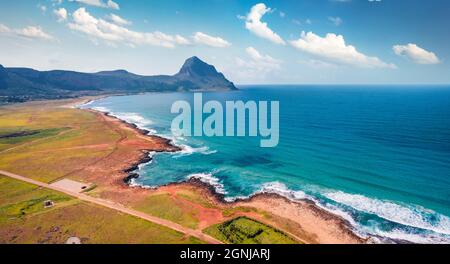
x,y
131,173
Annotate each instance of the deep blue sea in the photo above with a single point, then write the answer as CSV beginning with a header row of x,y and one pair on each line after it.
x,y
379,156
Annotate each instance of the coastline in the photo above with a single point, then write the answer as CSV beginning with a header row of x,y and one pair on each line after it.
x,y
306,213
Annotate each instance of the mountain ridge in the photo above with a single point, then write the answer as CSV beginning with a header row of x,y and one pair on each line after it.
x,y
23,84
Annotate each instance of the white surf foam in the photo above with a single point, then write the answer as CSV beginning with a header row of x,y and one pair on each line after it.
x,y
209,179
83,105
273,188
135,118
397,234
134,183
413,216
281,189
187,150
101,109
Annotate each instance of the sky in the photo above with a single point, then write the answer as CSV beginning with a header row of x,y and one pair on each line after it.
x,y
251,42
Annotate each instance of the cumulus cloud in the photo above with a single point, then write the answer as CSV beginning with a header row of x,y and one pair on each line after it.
x,y
204,39
61,14
119,20
257,63
34,32
254,24
416,54
333,48
262,61
254,67
29,32
112,34
99,3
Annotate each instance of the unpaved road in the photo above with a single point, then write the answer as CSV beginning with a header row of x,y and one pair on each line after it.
x,y
120,208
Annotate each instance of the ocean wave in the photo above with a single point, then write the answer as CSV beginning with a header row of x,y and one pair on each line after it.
x,y
187,150
83,105
281,189
401,235
273,188
136,119
101,109
209,179
413,216
131,118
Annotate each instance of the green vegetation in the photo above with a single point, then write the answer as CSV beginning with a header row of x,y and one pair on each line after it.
x,y
10,137
19,200
164,206
24,219
243,230
44,143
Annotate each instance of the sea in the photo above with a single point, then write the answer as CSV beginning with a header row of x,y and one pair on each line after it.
x,y
377,156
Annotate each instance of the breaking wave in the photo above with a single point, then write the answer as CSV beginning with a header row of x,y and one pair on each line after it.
x,y
413,216
209,179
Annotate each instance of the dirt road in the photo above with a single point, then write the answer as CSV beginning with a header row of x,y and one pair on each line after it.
x,y
119,207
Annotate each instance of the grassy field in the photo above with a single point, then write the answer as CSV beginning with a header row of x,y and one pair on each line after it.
x,y
24,219
243,230
52,152
166,207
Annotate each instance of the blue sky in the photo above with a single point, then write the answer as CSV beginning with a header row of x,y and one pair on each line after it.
x,y
251,42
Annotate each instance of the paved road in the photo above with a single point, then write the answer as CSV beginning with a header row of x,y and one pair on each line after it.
x,y
119,207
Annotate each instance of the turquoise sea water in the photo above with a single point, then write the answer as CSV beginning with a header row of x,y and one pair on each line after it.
x,y
379,156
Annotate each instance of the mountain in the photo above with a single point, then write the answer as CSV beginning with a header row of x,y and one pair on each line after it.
x,y
22,84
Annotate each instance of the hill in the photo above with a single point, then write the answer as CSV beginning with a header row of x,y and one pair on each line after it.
x,y
22,84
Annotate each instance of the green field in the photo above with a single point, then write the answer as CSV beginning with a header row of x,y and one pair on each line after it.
x,y
23,219
243,230
163,206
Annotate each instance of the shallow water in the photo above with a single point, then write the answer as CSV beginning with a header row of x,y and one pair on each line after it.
x,y
377,155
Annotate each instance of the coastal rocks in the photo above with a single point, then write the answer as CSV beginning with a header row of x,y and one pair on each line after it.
x,y
131,171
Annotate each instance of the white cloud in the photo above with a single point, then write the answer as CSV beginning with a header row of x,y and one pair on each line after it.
x,y
34,32
4,29
113,5
264,61
337,21
29,32
112,34
43,8
254,24
181,40
217,42
318,64
61,14
255,67
99,3
257,64
416,54
119,20
333,48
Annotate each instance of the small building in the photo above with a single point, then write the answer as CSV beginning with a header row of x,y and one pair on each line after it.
x,y
48,204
